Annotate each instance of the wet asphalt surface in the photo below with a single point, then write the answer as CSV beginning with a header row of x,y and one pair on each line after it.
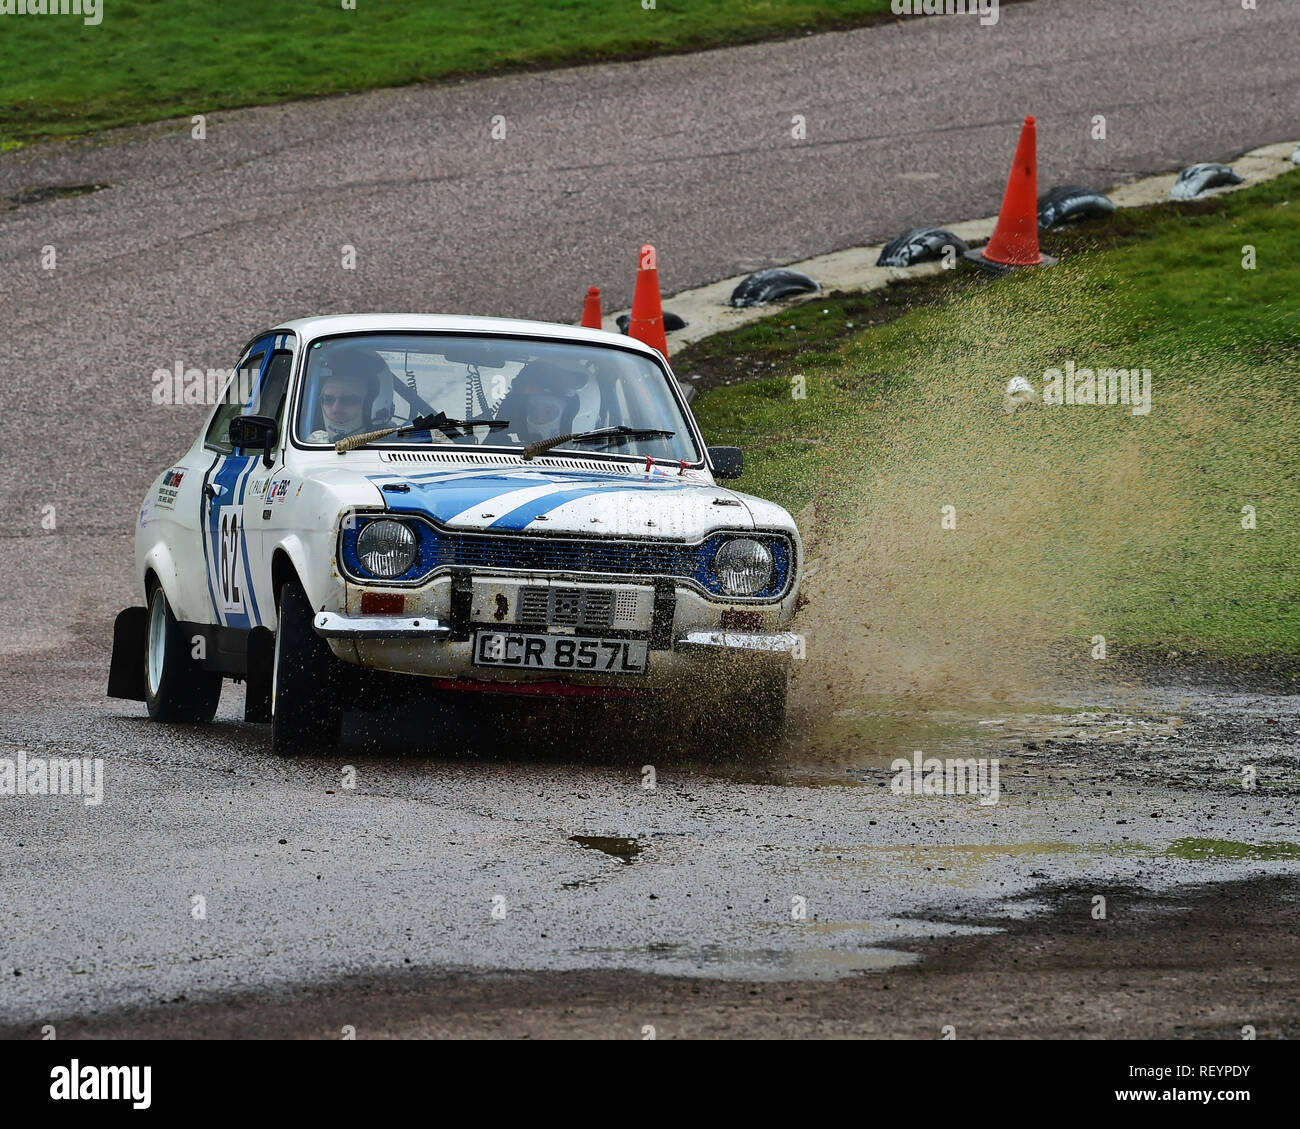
x,y
196,245
495,847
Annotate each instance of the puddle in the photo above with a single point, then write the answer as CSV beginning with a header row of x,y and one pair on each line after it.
x,y
800,781
964,861
856,745
965,864
1205,850
835,926
51,192
625,850
725,962
879,734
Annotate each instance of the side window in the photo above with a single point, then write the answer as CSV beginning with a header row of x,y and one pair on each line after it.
x,y
237,393
270,400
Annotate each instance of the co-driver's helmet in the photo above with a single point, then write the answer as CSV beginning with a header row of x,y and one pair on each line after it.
x,y
546,399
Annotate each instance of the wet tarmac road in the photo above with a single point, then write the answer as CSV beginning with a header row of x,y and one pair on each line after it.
x,y
490,849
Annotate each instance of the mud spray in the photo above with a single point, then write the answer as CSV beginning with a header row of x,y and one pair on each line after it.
x,y
1066,521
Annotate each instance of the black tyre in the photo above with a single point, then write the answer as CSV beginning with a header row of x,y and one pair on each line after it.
x,y
759,719
306,681
176,687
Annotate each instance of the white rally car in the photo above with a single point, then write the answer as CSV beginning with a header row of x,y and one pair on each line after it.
x,y
487,504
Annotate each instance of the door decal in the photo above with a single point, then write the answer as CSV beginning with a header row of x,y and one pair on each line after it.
x,y
225,542
232,570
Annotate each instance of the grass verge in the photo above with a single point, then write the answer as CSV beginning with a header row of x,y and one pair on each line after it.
x,y
146,61
1071,521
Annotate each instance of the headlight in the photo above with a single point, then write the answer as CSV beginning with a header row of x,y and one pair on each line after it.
x,y
743,566
386,548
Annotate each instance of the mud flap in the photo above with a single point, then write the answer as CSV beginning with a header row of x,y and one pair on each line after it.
x,y
462,603
126,669
257,686
665,609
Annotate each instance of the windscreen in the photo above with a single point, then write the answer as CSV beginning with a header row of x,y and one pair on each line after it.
x,y
362,383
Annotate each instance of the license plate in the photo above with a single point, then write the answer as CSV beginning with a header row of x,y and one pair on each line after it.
x,y
560,652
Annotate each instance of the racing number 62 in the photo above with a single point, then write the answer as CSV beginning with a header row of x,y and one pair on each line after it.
x,y
229,532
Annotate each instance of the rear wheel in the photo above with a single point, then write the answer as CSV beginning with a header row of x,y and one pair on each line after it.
x,y
306,682
176,687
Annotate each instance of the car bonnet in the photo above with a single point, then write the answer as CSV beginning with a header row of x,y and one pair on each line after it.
x,y
553,500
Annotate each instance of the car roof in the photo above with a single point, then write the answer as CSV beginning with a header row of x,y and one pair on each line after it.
x,y
309,328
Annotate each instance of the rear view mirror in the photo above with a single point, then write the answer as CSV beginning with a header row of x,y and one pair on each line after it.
x,y
483,354
727,462
256,432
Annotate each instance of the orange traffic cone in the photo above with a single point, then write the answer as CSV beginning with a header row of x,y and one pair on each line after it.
x,y
647,322
1015,238
591,309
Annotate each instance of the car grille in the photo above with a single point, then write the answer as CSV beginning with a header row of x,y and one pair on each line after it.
x,y
440,549
567,607
629,559
625,605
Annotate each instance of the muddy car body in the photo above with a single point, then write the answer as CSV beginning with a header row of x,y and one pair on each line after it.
x,y
472,551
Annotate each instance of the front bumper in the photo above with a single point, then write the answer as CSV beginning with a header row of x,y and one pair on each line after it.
x,y
433,633
332,625
784,643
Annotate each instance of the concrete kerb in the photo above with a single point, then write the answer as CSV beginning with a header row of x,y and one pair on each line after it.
x,y
853,269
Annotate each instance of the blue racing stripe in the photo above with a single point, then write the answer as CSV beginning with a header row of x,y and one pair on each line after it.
x,y
232,478
521,515
256,618
442,498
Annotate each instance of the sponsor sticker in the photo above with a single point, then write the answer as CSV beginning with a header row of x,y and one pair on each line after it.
x,y
168,488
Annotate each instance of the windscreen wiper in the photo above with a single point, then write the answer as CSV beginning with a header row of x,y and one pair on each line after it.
x,y
439,421
621,431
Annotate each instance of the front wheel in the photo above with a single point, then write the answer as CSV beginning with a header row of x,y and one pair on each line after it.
x,y
747,717
176,687
306,713
760,719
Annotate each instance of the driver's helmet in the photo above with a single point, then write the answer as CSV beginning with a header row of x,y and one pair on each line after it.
x,y
547,399
367,368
